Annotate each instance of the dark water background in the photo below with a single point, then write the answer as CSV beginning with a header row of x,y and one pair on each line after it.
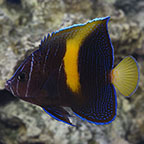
x,y
23,23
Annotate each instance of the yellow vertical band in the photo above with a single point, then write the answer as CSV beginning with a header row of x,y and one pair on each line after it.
x,y
72,52
71,65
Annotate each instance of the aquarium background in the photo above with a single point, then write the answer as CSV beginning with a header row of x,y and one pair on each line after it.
x,y
23,23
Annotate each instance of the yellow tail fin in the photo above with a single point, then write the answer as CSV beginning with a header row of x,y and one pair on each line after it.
x,y
125,76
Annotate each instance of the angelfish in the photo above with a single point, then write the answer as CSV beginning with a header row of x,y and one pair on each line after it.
x,y
74,67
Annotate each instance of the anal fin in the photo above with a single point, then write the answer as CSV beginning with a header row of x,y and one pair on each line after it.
x,y
58,113
101,109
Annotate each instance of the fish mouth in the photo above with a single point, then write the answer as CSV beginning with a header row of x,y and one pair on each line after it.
x,y
9,88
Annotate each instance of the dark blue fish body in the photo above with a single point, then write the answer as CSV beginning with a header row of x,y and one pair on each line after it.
x,y
73,67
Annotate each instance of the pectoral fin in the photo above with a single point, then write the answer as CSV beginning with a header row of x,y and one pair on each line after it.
x,y
58,113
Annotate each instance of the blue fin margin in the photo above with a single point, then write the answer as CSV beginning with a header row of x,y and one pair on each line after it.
x,y
56,117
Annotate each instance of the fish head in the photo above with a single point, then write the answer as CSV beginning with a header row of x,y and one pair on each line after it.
x,y
26,81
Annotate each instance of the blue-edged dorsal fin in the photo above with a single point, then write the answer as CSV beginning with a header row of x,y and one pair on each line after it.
x,y
58,113
81,31
77,31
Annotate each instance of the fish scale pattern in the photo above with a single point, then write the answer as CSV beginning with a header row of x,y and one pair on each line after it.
x,y
95,64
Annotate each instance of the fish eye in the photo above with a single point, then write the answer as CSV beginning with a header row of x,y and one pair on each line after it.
x,y
21,76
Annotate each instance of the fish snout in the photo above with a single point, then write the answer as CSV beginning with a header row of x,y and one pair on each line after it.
x,y
7,86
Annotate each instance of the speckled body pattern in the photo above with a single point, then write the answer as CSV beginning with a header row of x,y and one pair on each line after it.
x,y
79,79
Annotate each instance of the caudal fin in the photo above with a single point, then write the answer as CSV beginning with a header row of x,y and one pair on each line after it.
x,y
125,76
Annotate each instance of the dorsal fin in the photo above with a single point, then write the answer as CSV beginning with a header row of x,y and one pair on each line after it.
x,y
81,30
77,29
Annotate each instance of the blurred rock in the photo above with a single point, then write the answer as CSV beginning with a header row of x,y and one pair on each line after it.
x,y
130,6
1,2
134,9
11,128
126,37
120,141
125,5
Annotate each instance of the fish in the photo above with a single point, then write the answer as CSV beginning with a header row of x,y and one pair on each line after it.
x,y
74,67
